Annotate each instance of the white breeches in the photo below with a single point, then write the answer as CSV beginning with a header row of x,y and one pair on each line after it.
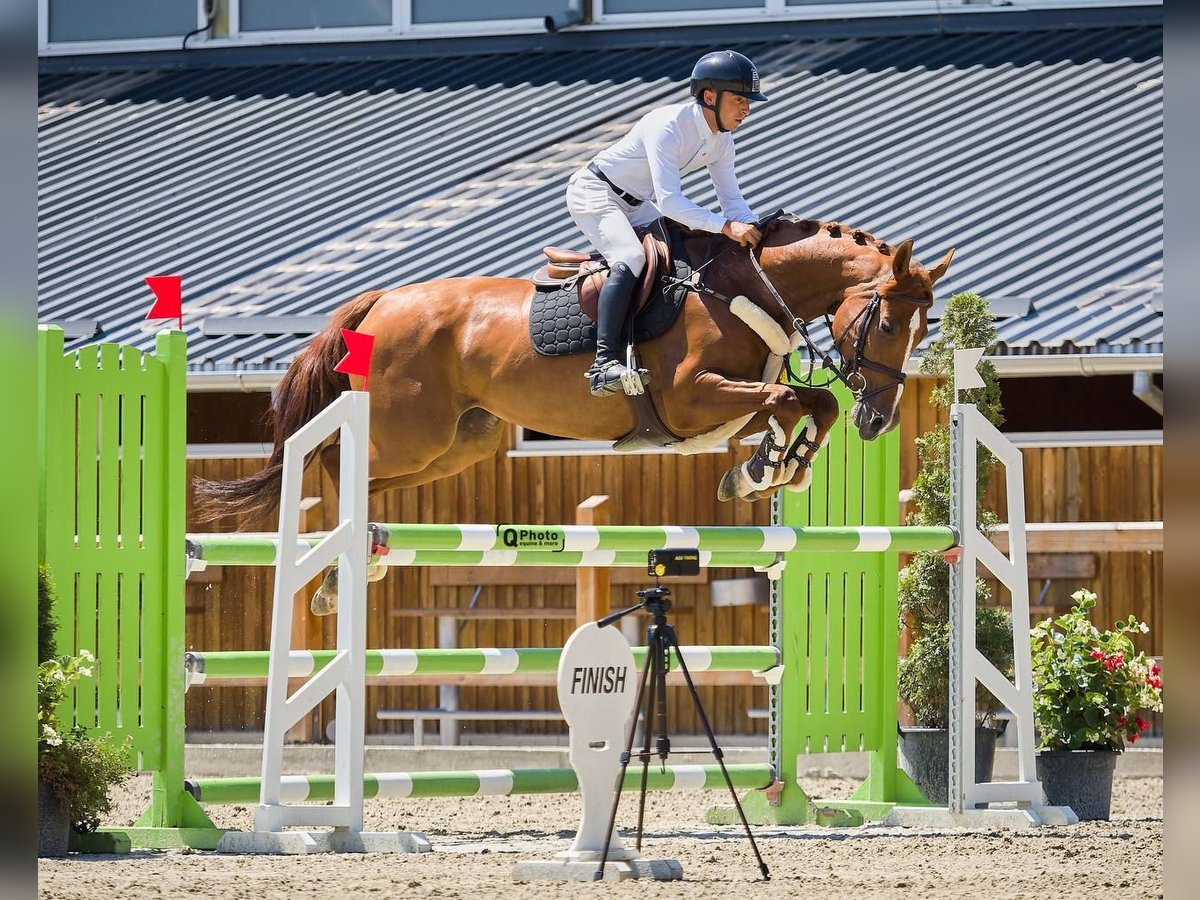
x,y
607,220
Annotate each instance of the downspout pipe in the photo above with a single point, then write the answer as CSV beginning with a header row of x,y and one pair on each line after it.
x,y
1147,391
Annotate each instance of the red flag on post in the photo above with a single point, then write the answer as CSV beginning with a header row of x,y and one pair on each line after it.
x,y
168,297
357,360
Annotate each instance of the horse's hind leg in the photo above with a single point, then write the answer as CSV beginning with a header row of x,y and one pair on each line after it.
x,y
324,601
477,437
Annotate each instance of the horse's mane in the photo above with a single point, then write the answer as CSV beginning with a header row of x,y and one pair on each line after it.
x,y
812,227
834,230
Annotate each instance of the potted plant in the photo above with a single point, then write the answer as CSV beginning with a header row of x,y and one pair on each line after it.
x,y
1089,686
924,583
75,770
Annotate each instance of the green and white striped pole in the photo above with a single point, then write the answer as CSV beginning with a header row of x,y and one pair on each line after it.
x,y
477,783
216,666
643,538
600,546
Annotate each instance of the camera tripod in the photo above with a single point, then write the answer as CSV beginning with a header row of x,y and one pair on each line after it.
x,y
652,699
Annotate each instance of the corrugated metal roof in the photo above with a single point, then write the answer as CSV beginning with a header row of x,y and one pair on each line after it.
x,y
285,190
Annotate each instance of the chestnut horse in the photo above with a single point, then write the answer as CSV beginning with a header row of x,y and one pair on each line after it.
x,y
453,362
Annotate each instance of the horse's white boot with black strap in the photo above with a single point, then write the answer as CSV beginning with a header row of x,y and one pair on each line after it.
x,y
763,469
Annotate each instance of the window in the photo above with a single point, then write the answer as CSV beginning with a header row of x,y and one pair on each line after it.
x,y
284,15
95,21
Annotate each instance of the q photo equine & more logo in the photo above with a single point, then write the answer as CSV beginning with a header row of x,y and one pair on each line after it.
x,y
527,537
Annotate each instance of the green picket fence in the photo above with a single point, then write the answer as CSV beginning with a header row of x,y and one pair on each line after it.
x,y
111,451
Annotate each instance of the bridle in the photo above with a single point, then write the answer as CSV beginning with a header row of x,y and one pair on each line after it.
x,y
848,371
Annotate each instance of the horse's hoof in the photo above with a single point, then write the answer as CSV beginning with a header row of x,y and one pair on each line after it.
x,y
325,601
728,488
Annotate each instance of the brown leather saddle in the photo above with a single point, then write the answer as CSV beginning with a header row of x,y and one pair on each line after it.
x,y
562,315
590,272
563,312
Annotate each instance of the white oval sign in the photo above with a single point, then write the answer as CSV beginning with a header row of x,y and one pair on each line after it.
x,y
597,681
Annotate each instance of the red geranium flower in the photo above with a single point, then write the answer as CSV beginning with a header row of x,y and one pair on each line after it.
x,y
1142,724
1134,738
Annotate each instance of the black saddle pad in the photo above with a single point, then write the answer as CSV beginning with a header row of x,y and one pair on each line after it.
x,y
559,327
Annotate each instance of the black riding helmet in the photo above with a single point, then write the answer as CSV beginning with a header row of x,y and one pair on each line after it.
x,y
724,70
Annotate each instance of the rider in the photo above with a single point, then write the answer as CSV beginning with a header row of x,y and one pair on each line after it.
x,y
637,179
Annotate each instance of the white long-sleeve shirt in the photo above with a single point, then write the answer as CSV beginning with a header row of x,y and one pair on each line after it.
x,y
666,144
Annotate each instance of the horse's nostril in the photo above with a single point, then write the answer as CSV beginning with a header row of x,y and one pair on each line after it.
x,y
876,423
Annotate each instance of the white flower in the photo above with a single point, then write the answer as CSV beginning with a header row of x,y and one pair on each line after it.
x,y
57,675
85,672
50,736
86,656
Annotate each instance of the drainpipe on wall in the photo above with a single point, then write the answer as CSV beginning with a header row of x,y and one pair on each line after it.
x,y
571,15
1147,391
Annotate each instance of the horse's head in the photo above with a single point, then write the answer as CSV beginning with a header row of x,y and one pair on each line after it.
x,y
876,328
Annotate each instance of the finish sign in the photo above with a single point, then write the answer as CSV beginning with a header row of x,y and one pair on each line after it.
x,y
597,690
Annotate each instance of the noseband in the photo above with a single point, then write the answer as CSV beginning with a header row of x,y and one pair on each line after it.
x,y
850,369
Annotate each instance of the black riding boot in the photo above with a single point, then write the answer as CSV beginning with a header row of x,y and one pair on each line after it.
x,y
605,373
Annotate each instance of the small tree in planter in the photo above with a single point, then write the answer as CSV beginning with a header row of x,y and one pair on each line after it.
x,y
924,584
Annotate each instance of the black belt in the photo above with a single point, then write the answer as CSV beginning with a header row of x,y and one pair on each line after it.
x,y
624,195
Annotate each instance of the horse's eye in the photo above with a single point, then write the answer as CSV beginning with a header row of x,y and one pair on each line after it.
x,y
887,327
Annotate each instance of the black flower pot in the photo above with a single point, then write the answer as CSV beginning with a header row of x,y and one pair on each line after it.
x,y
54,825
1080,779
925,758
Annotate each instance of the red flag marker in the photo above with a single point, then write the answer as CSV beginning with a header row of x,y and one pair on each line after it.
x,y
168,297
357,360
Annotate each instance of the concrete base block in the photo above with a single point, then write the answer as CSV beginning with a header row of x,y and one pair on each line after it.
x,y
1010,818
585,866
291,843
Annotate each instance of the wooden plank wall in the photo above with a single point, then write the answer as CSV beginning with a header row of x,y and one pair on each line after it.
x,y
231,610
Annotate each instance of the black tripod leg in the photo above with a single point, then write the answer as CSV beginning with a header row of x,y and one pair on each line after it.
x,y
612,816
718,755
655,687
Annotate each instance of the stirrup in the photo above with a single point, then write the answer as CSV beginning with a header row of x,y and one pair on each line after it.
x,y
605,378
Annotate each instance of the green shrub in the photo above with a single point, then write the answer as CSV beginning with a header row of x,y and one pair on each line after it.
x,y
924,584
47,648
80,769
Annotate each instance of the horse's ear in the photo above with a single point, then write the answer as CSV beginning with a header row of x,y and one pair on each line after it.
x,y
901,260
940,269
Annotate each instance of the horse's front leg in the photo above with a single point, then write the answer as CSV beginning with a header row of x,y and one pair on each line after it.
x,y
802,452
725,399
792,468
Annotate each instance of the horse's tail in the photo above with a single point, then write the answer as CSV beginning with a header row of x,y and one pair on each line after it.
x,y
307,387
